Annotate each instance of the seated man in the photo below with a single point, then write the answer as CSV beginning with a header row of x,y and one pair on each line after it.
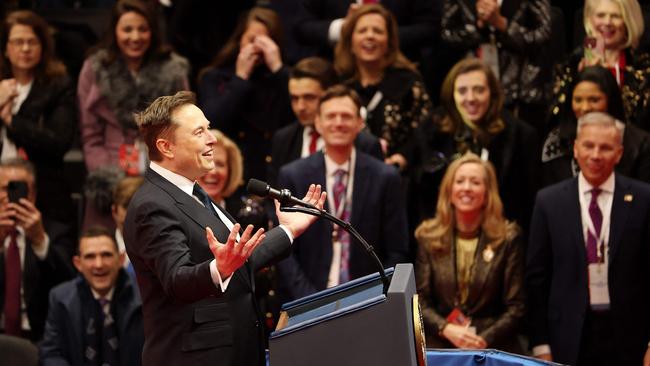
x,y
32,261
96,318
361,189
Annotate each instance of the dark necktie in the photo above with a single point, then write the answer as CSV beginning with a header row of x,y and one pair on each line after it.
x,y
340,192
199,193
596,217
13,275
110,354
313,142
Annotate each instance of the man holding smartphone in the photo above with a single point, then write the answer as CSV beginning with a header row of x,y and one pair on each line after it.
x,y
30,262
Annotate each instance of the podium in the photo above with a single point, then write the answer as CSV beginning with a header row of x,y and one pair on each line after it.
x,y
353,324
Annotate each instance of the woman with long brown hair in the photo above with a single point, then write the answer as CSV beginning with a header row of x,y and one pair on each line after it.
x,y
37,108
369,60
470,263
472,118
128,70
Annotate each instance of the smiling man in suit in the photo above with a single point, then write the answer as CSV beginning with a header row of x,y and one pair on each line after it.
x,y
588,267
194,267
308,80
362,190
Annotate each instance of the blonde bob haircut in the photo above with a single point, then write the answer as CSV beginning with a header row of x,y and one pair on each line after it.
x,y
436,234
235,163
345,61
632,17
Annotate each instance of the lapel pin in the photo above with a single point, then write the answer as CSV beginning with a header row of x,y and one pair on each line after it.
x,y
488,254
628,198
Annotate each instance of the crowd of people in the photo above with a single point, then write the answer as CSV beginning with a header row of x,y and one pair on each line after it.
x,y
516,184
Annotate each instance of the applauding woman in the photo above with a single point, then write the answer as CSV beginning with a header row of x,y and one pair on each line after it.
x,y
37,108
470,263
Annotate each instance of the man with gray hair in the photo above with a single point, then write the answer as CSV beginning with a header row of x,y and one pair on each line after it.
x,y
588,265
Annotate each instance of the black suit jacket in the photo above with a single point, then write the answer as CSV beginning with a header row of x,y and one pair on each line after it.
x,y
378,214
556,275
63,342
39,277
286,147
187,318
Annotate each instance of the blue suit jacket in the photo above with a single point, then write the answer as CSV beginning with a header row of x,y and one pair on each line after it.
x,y
63,342
557,278
378,214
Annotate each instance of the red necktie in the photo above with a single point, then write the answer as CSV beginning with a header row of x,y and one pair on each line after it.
x,y
13,274
340,192
370,2
314,141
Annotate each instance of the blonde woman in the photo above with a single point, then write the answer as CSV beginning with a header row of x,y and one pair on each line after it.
x,y
613,29
469,268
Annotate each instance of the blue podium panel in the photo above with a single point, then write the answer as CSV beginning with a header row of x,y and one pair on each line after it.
x,y
487,357
351,324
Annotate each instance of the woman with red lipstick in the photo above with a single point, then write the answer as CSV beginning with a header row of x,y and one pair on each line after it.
x,y
614,29
469,269
38,116
369,60
129,69
472,118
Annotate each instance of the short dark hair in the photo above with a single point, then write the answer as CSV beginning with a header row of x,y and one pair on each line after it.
x,y
315,68
340,91
19,163
95,232
156,120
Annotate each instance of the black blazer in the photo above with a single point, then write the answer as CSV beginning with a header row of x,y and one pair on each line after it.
x,y
287,146
378,214
187,318
556,275
44,127
64,332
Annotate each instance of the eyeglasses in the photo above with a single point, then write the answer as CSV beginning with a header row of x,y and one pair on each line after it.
x,y
21,42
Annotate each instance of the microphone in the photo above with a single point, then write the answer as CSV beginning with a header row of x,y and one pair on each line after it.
x,y
262,189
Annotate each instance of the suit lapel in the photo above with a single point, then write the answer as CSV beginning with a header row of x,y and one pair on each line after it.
x,y
201,216
295,148
621,203
480,273
573,214
360,188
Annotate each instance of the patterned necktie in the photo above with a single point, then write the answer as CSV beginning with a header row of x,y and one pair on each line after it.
x,y
314,135
344,214
13,274
199,193
597,219
110,355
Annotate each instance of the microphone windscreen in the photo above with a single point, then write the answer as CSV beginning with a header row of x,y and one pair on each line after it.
x,y
257,187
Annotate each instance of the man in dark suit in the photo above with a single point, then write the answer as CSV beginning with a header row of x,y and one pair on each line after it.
x,y
32,260
198,293
308,79
362,190
95,318
588,268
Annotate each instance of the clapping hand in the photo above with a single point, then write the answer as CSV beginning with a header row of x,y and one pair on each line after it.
x,y
270,52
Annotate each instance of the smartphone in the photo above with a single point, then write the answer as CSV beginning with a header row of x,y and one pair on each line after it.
x,y
17,189
594,48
